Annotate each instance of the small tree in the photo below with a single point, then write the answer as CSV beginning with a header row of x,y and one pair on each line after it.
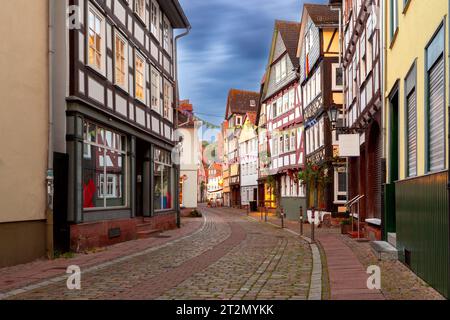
x,y
316,176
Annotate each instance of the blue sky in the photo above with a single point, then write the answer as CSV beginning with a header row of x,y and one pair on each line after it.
x,y
227,48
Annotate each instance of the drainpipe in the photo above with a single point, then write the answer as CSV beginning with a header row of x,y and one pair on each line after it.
x,y
49,176
177,107
383,77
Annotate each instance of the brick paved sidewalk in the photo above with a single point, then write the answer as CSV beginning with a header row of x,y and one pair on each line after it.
x,y
397,281
348,277
26,274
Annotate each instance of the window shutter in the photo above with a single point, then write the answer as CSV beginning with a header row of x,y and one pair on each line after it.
x,y
437,116
412,134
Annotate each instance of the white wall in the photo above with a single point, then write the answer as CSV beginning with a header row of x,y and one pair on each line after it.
x,y
189,165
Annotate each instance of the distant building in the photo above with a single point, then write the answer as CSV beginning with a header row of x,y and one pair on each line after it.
x,y
190,155
215,182
239,102
225,166
248,154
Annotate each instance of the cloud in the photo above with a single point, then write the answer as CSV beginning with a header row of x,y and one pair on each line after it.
x,y
228,47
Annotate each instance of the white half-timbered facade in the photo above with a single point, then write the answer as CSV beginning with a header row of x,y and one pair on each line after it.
x,y
282,114
322,83
362,91
119,88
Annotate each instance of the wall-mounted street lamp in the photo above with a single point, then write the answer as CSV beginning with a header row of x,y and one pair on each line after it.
x,y
333,113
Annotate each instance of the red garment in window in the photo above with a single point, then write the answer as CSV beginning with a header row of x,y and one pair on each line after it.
x,y
88,194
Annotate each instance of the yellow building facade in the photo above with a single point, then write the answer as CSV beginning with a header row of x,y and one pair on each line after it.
x,y
415,114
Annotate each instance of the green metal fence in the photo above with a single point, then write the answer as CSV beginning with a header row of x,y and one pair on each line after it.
x,y
423,228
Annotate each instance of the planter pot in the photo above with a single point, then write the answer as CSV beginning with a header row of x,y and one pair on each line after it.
x,y
346,228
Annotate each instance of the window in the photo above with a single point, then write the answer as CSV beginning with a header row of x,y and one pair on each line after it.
x,y
168,100
166,36
283,67
238,121
322,132
277,73
281,144
340,185
140,77
286,102
121,61
411,122
286,142
103,166
393,18
274,108
337,77
280,106
163,199
154,28
96,47
275,146
139,8
155,91
436,102
291,99
293,144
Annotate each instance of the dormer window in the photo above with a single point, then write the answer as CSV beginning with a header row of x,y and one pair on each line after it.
x,y
238,121
281,69
252,103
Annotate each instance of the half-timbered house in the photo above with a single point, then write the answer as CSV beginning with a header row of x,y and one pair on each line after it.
x,y
321,81
248,151
239,102
363,108
282,118
115,88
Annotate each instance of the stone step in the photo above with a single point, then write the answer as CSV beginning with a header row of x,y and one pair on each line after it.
x,y
384,250
148,233
392,239
144,226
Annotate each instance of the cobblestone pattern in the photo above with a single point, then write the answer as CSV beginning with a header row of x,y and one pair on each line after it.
x,y
269,264
117,280
40,270
397,281
229,254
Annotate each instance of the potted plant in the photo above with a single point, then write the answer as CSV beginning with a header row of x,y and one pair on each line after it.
x,y
346,226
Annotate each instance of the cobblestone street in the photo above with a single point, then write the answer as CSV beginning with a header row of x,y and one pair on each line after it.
x,y
230,256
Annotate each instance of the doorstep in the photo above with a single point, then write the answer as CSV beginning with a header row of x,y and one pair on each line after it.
x,y
384,250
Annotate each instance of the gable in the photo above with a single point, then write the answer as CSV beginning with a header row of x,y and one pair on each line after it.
x,y
280,48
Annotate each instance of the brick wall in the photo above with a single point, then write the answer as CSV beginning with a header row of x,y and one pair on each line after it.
x,y
96,234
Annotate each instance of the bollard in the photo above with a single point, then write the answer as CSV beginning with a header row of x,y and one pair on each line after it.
x,y
266,213
313,224
282,218
301,220
262,209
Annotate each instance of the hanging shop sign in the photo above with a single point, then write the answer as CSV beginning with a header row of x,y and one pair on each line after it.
x,y
349,145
